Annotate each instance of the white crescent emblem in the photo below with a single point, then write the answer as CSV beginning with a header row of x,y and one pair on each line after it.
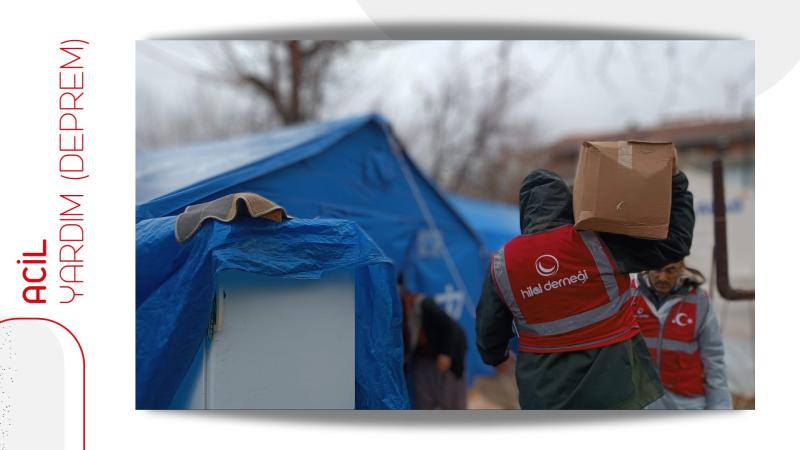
x,y
546,265
679,319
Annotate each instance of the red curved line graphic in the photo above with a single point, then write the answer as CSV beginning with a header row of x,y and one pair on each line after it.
x,y
83,361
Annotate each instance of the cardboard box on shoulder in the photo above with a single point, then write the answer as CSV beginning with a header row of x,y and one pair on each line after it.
x,y
624,187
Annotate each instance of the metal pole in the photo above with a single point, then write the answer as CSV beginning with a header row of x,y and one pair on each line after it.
x,y
721,239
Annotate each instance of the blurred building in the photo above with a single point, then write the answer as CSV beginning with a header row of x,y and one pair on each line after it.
x,y
698,142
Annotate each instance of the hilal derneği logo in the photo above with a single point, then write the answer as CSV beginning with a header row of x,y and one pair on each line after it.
x,y
547,266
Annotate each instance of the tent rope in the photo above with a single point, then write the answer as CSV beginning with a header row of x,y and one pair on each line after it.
x,y
429,220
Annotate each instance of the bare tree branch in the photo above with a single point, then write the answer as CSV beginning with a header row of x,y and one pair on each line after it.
x,y
489,118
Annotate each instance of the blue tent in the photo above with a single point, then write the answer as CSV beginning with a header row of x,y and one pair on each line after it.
x,y
176,285
351,169
496,223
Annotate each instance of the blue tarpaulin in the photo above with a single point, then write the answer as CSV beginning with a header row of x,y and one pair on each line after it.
x,y
176,289
351,169
496,223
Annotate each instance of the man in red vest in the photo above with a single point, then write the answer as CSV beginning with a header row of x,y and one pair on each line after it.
x,y
567,295
683,336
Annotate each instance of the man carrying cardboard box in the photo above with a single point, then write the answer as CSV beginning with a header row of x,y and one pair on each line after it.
x,y
567,293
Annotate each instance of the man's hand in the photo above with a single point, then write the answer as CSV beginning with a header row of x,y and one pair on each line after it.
x,y
507,366
443,363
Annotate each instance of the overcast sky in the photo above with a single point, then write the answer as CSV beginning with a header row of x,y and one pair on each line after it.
x,y
576,86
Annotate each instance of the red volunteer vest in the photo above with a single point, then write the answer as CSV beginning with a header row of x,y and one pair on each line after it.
x,y
673,346
564,291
